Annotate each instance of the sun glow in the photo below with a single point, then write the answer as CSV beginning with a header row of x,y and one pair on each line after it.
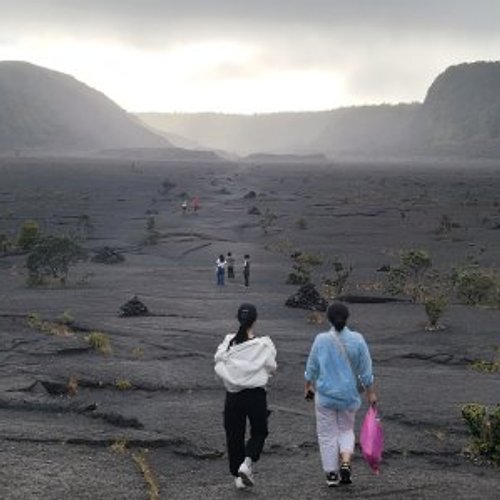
x,y
222,76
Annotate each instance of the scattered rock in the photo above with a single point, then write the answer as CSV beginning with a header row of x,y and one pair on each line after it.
x,y
307,297
108,255
385,268
254,211
491,222
134,307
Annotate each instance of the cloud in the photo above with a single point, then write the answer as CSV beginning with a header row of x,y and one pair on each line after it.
x,y
367,51
153,21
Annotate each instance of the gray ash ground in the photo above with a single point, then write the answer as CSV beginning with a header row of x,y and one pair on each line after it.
x,y
156,390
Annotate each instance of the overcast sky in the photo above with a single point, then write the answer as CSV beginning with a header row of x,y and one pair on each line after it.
x,y
251,55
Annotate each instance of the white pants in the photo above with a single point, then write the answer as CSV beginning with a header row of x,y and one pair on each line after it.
x,y
335,429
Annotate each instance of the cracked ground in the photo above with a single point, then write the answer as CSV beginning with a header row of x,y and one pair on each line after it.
x,y
72,418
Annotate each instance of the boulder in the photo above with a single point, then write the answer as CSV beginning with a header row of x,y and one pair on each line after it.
x,y
134,307
307,297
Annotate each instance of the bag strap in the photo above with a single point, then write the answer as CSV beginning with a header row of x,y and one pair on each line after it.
x,y
342,348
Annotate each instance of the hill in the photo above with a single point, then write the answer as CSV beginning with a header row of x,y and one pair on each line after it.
x,y
459,116
46,110
462,108
347,130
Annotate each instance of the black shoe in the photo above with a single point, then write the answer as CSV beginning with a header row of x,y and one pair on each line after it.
x,y
332,479
345,473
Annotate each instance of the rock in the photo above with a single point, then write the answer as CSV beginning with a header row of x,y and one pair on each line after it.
x,y
108,255
491,222
369,299
134,307
250,195
254,211
307,297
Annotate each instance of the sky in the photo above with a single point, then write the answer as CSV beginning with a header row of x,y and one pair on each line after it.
x,y
251,56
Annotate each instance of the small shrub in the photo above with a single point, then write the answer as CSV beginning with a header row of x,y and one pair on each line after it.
x,y
34,321
29,235
476,286
152,234
303,262
409,276
65,318
435,305
484,425
52,257
120,446
333,286
483,366
267,220
138,352
6,244
123,384
100,342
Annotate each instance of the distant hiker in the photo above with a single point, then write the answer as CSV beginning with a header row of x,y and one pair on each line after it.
x,y
338,364
195,204
184,206
230,265
246,269
245,362
220,266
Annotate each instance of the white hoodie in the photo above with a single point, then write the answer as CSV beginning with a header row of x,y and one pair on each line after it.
x,y
246,365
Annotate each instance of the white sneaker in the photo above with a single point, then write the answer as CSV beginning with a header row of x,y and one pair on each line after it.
x,y
238,482
245,472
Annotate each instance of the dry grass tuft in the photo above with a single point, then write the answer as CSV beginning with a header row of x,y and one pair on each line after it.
x,y
149,478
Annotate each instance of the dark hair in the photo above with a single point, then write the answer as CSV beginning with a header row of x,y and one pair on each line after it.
x,y
221,258
246,256
247,315
337,314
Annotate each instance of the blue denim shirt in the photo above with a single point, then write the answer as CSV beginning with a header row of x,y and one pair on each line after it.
x,y
331,373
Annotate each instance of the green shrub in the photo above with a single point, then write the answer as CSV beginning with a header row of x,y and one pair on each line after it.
x,y
410,276
302,265
484,425
52,257
476,286
335,284
435,306
5,243
29,235
123,384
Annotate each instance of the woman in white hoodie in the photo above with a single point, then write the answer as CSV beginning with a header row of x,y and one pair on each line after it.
x,y
245,362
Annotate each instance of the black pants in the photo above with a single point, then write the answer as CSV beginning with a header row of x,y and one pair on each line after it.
x,y
251,404
230,272
246,275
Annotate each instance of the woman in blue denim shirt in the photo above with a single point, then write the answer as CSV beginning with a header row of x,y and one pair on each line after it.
x,y
339,362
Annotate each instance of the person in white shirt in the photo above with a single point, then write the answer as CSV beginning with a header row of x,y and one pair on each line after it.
x,y
245,362
220,266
